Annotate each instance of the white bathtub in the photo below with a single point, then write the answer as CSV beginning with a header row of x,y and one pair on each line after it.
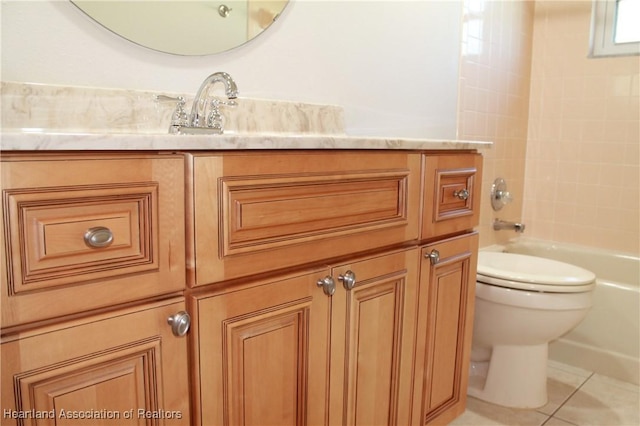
x,y
608,340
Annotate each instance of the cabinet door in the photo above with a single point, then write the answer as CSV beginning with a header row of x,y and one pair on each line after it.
x,y
372,340
123,369
263,353
451,194
445,323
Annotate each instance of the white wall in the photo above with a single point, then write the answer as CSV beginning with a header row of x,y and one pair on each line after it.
x,y
393,65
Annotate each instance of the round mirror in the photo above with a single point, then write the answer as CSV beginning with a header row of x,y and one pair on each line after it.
x,y
185,27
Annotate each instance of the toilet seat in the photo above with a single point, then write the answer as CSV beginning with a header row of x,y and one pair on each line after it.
x,y
531,273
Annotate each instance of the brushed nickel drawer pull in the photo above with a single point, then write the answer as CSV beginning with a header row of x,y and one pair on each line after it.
x,y
98,237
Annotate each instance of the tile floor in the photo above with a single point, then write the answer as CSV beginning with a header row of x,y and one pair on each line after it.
x,y
576,397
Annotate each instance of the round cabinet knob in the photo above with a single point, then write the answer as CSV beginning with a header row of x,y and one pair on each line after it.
x,y
328,285
434,256
98,237
463,194
348,279
179,323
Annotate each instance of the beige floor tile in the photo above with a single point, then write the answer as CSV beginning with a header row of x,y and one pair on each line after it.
x,y
562,382
480,413
615,382
584,399
556,365
602,401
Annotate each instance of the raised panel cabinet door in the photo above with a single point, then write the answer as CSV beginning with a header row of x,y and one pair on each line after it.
x,y
451,193
262,353
255,213
372,339
126,368
445,327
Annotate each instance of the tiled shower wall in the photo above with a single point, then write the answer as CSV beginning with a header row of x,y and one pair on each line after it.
x,y
494,98
565,127
582,180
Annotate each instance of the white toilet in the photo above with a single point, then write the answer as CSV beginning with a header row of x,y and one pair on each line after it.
x,y
522,303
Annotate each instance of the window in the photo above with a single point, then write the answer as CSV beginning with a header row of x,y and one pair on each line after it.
x,y
614,28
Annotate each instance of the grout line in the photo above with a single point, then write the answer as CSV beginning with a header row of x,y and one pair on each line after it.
x,y
546,421
564,421
567,400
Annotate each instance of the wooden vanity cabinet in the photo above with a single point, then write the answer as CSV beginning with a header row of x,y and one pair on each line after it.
x,y
451,209
314,358
393,349
283,351
310,277
93,265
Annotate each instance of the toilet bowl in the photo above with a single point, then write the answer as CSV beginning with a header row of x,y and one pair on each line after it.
x,y
522,303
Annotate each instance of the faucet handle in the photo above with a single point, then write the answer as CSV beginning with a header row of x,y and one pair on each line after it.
x,y
165,99
215,120
499,194
179,118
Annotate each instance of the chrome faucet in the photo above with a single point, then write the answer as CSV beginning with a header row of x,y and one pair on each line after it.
x,y
196,122
198,109
503,224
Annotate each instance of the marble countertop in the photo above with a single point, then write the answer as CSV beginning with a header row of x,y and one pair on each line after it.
x,y
24,141
37,117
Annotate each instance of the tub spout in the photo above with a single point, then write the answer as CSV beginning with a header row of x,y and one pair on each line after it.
x,y
503,224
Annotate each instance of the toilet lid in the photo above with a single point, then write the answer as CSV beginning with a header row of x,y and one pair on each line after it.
x,y
524,272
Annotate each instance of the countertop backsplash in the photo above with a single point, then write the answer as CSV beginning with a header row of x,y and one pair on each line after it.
x,y
42,108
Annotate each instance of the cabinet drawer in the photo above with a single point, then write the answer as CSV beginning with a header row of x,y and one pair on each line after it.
x,y
255,213
81,233
451,193
89,232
